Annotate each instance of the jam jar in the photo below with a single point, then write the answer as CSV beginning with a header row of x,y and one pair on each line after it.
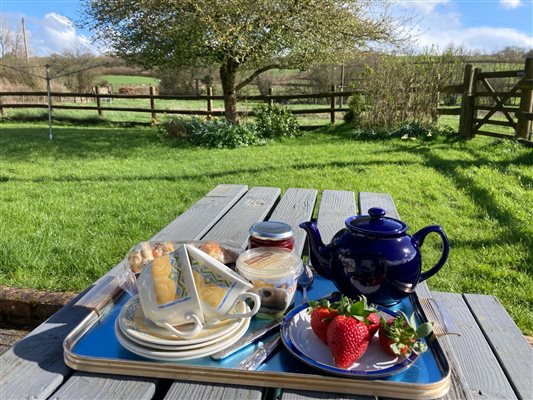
x,y
271,234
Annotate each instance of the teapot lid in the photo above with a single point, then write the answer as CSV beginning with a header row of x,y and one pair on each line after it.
x,y
376,224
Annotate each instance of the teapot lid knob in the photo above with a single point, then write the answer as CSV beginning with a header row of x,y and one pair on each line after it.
x,y
375,224
376,213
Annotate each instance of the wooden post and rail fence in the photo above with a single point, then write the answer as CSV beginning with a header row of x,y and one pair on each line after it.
x,y
475,87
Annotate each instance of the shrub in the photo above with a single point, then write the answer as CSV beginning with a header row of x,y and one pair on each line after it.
x,y
216,133
408,131
356,105
399,89
174,128
274,122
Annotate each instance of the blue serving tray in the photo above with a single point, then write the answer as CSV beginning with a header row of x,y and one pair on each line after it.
x,y
93,347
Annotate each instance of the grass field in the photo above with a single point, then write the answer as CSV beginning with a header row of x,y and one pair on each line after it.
x,y
129,80
71,208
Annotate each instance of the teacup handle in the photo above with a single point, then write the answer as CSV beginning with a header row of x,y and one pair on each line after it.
x,y
198,326
243,296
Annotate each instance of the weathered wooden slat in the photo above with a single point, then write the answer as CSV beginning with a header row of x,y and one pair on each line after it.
x,y
296,206
335,207
253,207
197,391
368,200
484,376
506,340
197,220
34,367
92,386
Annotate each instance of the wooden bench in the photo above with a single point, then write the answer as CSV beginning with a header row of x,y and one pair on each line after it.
x,y
490,360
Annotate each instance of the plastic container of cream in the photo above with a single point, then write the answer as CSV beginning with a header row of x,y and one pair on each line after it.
x,y
274,274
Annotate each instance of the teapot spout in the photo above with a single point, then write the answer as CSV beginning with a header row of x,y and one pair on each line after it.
x,y
319,253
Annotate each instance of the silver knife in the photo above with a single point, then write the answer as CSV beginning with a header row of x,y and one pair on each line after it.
x,y
253,361
246,340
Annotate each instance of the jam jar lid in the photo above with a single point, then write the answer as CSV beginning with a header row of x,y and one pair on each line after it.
x,y
268,262
271,230
376,224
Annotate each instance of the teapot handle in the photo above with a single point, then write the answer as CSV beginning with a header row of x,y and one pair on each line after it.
x,y
419,238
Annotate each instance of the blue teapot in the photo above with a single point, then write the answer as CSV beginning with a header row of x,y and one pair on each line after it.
x,y
374,256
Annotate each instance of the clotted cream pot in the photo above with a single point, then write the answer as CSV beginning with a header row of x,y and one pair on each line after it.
x,y
374,256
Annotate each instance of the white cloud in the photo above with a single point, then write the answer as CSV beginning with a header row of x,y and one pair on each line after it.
x,y
52,34
442,27
510,4
485,39
423,6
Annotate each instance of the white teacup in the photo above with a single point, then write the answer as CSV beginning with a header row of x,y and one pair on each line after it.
x,y
190,287
168,294
219,288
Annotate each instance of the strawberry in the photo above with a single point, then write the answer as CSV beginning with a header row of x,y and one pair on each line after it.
x,y
348,339
400,336
321,316
361,310
373,321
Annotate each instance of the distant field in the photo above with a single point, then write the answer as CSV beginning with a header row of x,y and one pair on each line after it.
x,y
125,80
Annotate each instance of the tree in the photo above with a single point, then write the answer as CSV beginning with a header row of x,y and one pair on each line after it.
x,y
237,35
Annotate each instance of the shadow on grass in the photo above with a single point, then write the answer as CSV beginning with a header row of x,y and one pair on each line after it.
x,y
483,198
21,142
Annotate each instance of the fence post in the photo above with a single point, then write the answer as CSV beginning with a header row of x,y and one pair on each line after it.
x,y
1,108
270,100
209,101
152,104
98,101
523,126
332,112
467,103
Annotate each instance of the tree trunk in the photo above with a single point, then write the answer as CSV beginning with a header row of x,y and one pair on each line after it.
x,y
228,74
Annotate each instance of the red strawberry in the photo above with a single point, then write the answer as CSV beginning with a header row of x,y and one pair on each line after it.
x,y
400,337
347,339
321,316
373,322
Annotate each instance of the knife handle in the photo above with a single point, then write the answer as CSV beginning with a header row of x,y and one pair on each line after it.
x,y
254,361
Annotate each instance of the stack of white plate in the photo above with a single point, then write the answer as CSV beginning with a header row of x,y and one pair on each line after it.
x,y
142,337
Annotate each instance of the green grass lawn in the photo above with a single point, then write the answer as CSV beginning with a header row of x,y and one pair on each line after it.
x,y
71,208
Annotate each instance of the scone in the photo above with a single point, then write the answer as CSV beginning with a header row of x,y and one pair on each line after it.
x,y
163,280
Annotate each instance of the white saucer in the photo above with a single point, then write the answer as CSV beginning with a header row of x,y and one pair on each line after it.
x,y
179,355
134,324
180,346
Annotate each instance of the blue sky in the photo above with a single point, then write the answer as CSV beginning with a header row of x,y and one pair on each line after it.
x,y
483,25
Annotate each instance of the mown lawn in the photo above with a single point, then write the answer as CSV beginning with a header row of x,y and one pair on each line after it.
x,y
71,208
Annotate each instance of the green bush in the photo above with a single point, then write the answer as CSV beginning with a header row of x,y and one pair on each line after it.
x,y
356,105
216,133
274,122
408,131
414,130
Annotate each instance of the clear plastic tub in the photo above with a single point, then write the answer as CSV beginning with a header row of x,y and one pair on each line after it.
x,y
274,273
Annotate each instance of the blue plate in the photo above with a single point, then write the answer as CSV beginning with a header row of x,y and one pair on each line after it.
x,y
302,343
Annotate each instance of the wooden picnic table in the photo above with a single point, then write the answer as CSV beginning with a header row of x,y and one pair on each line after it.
x,y
490,360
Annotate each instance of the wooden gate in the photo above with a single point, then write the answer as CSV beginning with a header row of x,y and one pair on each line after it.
x,y
477,86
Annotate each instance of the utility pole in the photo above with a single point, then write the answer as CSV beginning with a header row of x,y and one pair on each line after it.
x,y
25,43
